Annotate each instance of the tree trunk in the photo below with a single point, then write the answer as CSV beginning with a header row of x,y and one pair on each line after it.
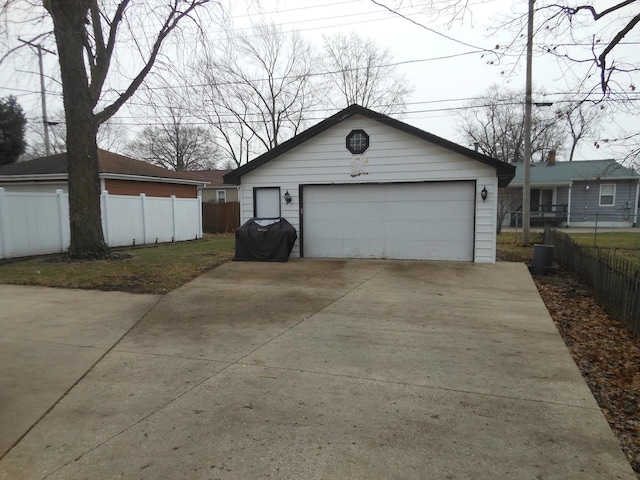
x,y
87,239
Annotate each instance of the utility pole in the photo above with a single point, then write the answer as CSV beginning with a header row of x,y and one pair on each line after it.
x,y
43,99
526,183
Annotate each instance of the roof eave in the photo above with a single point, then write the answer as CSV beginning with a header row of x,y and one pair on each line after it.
x,y
34,177
146,178
605,179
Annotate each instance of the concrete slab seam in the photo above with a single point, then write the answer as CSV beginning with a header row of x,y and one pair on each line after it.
x,y
91,367
416,385
51,343
137,422
181,357
308,317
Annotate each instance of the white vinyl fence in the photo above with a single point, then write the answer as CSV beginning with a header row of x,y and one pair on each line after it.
x,y
38,223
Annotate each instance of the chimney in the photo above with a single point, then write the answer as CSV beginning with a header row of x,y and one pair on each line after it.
x,y
476,145
551,159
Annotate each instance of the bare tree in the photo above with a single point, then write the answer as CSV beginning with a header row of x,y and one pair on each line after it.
x,y
174,141
604,30
580,120
495,122
504,207
90,36
564,28
258,90
175,146
361,72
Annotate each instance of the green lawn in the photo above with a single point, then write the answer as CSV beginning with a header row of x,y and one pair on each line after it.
x,y
625,244
609,239
150,269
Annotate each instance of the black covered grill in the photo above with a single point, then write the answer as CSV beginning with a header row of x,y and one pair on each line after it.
x,y
265,240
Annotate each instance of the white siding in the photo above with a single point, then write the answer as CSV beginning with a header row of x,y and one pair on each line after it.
x,y
393,156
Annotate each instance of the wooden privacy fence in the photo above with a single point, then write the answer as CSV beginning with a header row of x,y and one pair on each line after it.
x,y
220,217
615,280
38,223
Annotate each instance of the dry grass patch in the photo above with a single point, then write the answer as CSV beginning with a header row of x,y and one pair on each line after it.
x,y
150,269
509,247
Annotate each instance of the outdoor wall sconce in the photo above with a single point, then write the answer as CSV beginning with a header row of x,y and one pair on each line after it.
x,y
287,197
586,187
484,193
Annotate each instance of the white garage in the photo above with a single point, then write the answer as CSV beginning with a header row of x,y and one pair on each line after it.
x,y
426,220
363,185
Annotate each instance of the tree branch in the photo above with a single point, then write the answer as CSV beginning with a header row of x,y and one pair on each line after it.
x,y
602,58
104,52
172,21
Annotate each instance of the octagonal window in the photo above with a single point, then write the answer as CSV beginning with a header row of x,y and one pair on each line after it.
x,y
357,141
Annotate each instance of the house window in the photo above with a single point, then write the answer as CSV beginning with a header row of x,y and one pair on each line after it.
x,y
357,141
607,195
221,196
541,200
266,202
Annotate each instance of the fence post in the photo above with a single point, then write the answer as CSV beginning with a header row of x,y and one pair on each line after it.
x,y
105,217
173,217
61,219
4,225
143,201
199,213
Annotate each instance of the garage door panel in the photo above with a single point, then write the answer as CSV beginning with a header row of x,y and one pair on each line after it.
x,y
405,221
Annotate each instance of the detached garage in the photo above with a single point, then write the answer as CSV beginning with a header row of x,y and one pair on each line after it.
x,y
363,185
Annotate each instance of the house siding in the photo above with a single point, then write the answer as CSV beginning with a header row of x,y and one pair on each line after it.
x,y
150,189
209,194
586,209
392,157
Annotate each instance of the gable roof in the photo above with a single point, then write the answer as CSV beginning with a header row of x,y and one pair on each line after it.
x,y
505,171
110,165
564,173
213,177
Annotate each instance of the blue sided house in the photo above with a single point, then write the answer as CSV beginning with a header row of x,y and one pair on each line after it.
x,y
576,194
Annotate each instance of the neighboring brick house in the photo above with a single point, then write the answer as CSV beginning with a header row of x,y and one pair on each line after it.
x,y
119,175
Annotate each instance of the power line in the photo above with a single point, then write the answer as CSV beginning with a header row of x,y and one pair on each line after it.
x,y
311,117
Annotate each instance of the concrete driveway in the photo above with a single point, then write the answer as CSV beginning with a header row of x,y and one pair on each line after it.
x,y
332,370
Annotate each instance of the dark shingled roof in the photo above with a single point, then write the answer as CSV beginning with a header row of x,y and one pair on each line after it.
x,y
504,171
108,163
563,173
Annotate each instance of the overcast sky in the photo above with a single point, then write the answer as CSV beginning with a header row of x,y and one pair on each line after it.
x,y
444,62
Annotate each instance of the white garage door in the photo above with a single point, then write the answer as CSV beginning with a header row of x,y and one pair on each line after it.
x,y
426,221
